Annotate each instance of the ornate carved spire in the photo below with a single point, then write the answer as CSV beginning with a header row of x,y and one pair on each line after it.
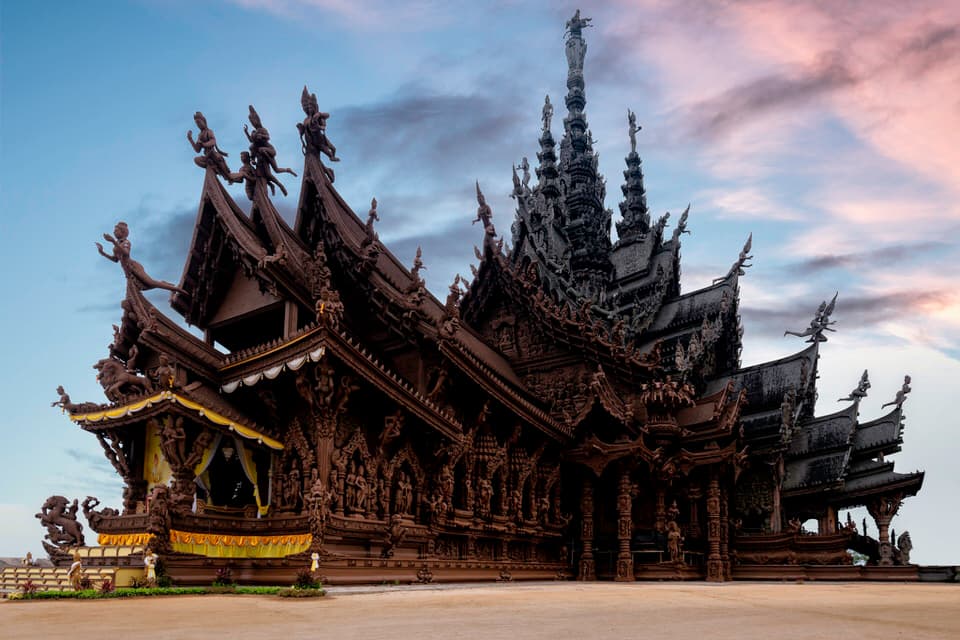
x,y
636,216
587,224
547,175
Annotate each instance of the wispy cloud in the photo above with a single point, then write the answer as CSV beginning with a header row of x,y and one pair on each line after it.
x,y
884,256
360,15
744,103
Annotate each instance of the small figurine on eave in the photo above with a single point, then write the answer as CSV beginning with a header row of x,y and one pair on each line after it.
x,y
901,396
134,271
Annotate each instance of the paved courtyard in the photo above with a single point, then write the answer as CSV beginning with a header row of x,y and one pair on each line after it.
x,y
518,612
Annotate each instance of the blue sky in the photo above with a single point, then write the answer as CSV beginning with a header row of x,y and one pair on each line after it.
x,y
830,132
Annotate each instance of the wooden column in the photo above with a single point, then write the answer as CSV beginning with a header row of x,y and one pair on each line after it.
x,y
587,567
661,515
827,523
714,561
624,529
694,494
725,533
776,516
883,510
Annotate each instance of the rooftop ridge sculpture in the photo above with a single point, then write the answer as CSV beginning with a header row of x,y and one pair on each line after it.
x,y
901,396
821,322
263,155
860,392
136,275
206,143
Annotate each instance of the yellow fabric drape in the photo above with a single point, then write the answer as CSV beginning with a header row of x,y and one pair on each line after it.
x,y
250,469
156,469
123,539
225,546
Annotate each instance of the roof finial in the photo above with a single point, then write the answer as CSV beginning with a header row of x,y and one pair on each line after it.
x,y
821,322
484,212
633,129
547,114
860,392
901,394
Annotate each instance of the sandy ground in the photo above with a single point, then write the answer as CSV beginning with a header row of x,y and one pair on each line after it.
x,y
568,610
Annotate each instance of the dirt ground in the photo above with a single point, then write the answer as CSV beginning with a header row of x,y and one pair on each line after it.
x,y
518,612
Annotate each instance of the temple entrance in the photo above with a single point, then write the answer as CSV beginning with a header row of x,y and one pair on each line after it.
x,y
227,484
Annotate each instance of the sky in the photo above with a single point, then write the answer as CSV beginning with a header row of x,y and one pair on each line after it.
x,y
829,130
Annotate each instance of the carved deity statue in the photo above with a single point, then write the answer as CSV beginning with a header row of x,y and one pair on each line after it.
x,y
576,48
362,490
674,542
404,496
206,143
263,155
313,129
351,484
547,114
136,275
484,212
485,495
248,175
633,129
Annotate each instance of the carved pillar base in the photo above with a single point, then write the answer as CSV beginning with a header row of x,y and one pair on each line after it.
x,y
886,554
625,569
587,570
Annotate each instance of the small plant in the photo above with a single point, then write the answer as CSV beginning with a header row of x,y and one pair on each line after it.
x,y
139,583
107,586
224,577
28,588
306,579
85,583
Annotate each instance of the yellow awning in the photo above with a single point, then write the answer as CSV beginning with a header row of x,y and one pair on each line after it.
x,y
169,396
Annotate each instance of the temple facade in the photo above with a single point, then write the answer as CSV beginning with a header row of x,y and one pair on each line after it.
x,y
567,413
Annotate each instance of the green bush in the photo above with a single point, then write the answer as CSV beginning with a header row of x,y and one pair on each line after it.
x,y
294,592
306,579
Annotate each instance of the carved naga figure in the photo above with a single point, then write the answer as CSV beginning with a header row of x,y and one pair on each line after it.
x,y
136,275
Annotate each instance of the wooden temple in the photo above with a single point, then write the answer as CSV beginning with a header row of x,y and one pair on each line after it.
x,y
567,413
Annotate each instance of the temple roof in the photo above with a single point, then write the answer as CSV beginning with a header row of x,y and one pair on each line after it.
x,y
837,452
